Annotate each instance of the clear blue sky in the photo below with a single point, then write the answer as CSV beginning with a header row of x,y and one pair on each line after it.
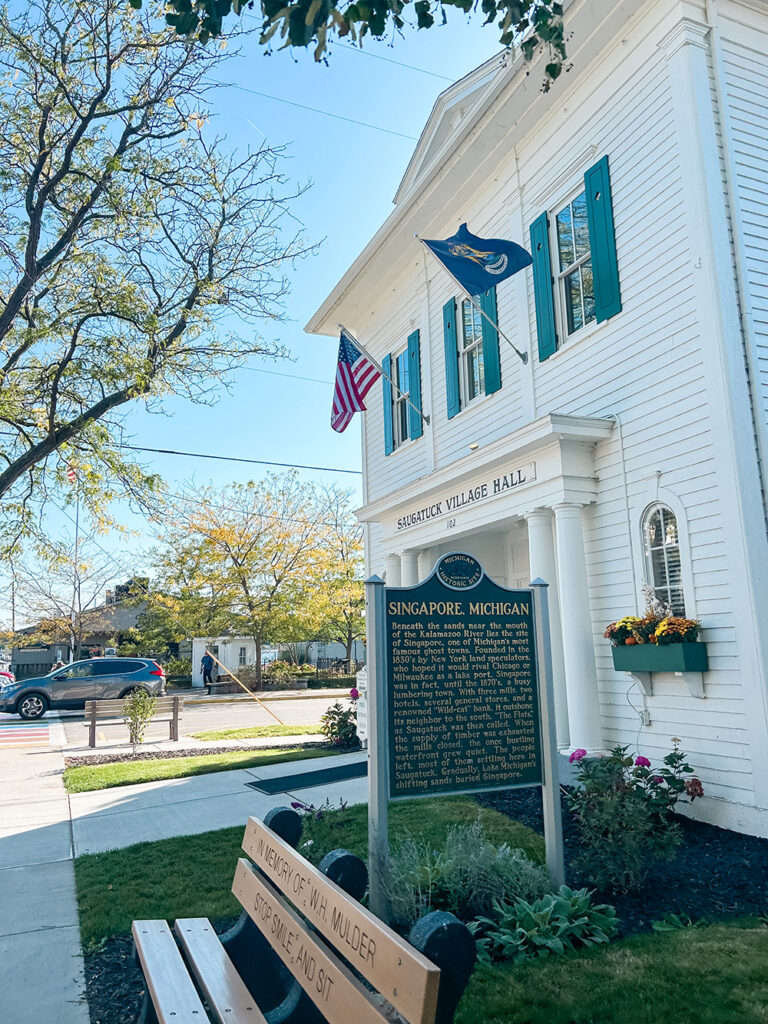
x,y
355,171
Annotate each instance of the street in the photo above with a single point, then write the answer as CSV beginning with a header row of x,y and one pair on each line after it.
x,y
202,714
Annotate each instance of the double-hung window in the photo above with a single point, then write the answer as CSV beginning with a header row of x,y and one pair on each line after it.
x,y
576,285
575,266
471,375
662,556
472,359
241,654
400,395
401,391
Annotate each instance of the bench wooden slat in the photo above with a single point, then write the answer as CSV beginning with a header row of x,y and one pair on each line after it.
x,y
395,969
225,992
173,993
115,706
327,981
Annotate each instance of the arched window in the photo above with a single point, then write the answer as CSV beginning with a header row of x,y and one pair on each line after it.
x,y
662,556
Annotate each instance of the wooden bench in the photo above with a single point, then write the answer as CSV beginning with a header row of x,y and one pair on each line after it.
x,y
112,712
325,959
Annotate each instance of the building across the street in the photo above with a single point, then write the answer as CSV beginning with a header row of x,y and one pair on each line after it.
x,y
632,447
236,652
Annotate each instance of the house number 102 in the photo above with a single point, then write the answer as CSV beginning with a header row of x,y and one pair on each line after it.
x,y
450,524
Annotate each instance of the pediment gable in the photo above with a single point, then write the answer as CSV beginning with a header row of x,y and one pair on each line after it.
x,y
451,109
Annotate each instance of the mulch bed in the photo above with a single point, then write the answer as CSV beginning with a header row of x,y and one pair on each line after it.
x,y
716,873
162,755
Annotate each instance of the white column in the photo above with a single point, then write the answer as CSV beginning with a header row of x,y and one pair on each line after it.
x,y
409,561
426,563
585,729
394,577
541,551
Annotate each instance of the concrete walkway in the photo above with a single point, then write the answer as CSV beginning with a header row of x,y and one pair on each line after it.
x,y
41,965
109,819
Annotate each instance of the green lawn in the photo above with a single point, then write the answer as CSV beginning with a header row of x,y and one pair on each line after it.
x,y
191,876
712,975
258,731
84,778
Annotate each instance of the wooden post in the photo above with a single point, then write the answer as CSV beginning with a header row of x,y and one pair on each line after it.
x,y
92,729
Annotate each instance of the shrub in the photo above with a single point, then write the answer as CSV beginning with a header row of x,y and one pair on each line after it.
x,y
340,726
551,925
278,670
178,667
138,709
465,877
622,808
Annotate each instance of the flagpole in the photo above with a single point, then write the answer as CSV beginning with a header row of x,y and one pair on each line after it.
x,y
523,355
386,376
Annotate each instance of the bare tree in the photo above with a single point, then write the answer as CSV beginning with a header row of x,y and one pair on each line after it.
x,y
137,256
61,594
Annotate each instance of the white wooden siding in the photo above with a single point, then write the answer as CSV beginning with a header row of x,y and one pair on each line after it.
x,y
648,365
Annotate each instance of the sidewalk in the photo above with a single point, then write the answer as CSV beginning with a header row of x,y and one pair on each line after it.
x,y
41,965
108,819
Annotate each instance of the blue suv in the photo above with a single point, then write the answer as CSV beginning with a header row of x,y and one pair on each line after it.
x,y
70,687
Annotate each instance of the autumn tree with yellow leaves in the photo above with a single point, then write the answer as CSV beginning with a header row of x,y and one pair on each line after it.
x,y
278,560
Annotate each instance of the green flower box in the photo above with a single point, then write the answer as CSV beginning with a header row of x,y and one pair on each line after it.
x,y
690,657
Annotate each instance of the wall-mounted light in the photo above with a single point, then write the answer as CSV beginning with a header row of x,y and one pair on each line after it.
x,y
474,446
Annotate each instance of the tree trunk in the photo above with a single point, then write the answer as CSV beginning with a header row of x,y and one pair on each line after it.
x,y
350,642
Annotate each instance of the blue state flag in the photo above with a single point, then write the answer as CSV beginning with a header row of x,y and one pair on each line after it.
x,y
479,263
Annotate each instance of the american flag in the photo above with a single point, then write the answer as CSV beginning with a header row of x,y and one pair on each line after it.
x,y
71,474
355,376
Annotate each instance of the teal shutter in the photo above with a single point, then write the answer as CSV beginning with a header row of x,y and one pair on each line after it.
x,y
542,287
491,360
386,391
415,423
602,241
451,358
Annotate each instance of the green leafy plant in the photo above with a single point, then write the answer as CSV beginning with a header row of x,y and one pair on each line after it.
x,y
312,22
558,921
138,709
622,808
340,726
178,667
464,877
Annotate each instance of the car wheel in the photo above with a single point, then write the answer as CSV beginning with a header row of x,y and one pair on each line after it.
x,y
132,689
34,705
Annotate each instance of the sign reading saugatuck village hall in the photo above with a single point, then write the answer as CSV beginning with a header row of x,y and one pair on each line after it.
x,y
452,503
463,702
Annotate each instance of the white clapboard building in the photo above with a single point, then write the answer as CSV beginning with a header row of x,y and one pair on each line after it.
x,y
633,446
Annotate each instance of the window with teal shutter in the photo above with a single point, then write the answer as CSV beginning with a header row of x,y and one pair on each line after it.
x,y
491,359
415,423
450,338
542,287
386,391
602,241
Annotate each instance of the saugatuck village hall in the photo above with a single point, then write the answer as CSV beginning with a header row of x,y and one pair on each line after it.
x,y
632,446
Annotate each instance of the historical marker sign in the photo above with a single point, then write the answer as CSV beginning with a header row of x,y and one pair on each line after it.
x,y
463,701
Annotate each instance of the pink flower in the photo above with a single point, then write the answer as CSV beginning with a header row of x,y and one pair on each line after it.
x,y
577,755
657,779
642,762
354,693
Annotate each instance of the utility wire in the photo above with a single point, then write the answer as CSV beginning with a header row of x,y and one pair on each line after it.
x,y
390,60
150,596
232,458
293,376
225,458
317,110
